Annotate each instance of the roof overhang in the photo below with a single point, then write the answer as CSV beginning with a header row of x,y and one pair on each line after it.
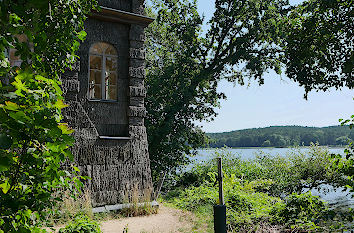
x,y
113,15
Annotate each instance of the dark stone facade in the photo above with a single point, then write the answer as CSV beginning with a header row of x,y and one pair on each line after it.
x,y
111,142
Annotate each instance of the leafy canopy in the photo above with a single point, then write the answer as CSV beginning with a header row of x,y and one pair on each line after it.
x,y
312,43
34,143
184,66
319,44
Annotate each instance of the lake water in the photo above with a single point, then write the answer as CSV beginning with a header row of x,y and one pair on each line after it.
x,y
338,198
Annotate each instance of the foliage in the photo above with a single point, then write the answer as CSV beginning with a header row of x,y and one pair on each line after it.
x,y
300,171
81,224
345,164
282,136
294,172
246,206
69,208
319,44
311,41
253,190
302,211
184,66
34,143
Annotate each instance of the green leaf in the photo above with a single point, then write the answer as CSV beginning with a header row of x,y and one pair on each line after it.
x,y
11,106
82,35
5,187
60,104
19,117
5,163
65,128
5,141
76,169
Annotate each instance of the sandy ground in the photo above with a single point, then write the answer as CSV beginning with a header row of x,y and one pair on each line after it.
x,y
167,220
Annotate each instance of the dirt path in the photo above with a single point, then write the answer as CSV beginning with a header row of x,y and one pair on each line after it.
x,y
166,221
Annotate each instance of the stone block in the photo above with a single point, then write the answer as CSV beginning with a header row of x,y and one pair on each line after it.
x,y
136,63
137,91
137,33
136,111
136,44
136,82
136,121
136,101
138,72
138,7
138,53
70,85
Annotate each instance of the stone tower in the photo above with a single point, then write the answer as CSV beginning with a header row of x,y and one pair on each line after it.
x,y
105,91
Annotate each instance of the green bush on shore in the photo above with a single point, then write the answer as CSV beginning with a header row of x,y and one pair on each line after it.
x,y
265,191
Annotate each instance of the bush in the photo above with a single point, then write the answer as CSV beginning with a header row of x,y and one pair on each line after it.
x,y
81,224
246,206
302,211
252,191
34,143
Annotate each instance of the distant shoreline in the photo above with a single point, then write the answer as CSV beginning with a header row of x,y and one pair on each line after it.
x,y
271,147
282,137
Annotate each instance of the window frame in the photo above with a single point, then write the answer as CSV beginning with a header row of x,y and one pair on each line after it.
x,y
103,70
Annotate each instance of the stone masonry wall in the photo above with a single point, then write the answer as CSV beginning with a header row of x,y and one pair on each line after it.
x,y
119,169
134,6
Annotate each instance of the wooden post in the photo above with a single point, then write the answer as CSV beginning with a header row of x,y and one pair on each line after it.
x,y
159,184
220,210
221,192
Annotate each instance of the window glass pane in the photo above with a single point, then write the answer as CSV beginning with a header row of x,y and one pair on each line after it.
x,y
111,50
108,88
96,62
111,92
95,92
96,48
104,46
111,78
95,77
111,64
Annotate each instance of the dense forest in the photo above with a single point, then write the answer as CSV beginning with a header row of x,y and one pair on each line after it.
x,y
282,136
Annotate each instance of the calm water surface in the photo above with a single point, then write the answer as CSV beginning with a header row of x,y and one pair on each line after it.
x,y
338,198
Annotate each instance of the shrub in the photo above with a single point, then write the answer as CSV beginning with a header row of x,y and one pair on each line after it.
x,y
34,143
302,211
252,191
81,224
246,207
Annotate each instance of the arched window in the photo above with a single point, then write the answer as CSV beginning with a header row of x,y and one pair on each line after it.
x,y
103,72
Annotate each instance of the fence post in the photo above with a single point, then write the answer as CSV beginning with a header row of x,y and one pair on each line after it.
x,y
220,210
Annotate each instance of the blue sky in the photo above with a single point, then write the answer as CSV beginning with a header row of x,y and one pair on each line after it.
x,y
278,102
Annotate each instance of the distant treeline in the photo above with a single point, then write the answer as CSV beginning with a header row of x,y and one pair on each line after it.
x,y
282,136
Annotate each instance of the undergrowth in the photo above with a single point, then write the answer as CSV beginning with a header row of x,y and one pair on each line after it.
x,y
266,194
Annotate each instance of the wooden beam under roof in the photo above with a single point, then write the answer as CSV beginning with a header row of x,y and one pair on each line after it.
x,y
114,15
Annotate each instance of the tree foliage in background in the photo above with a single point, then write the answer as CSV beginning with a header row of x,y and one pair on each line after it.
x,y
311,42
319,44
33,141
283,136
184,67
345,163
